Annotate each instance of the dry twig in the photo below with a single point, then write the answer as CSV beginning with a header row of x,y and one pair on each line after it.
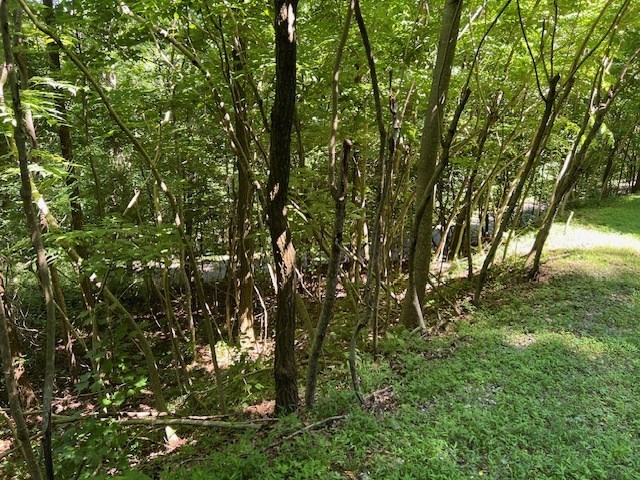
x,y
308,428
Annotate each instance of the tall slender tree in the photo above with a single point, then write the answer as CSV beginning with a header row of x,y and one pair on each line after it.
x,y
36,240
277,190
244,248
429,148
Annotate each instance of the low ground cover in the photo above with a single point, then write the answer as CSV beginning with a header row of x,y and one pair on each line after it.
x,y
541,382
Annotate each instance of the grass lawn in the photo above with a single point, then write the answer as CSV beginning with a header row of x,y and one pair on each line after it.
x,y
542,382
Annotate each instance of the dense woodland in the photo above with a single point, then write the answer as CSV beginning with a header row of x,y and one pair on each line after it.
x,y
190,188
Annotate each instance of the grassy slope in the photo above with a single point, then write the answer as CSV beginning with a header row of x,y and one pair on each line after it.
x,y
543,382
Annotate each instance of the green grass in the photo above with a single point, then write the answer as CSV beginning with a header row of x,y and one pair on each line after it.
x,y
542,383
618,214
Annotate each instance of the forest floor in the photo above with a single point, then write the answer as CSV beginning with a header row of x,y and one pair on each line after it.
x,y
541,382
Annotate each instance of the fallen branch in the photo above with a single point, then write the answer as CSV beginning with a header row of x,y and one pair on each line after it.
x,y
557,257
308,428
154,419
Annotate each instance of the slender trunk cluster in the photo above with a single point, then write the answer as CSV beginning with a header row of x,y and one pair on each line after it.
x,y
577,158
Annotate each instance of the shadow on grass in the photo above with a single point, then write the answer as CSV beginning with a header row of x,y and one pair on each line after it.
x,y
542,384
534,405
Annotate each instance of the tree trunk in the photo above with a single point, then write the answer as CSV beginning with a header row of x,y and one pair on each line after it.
x,y
86,142
359,195
277,191
372,290
22,433
636,182
36,240
429,148
332,277
244,244
25,389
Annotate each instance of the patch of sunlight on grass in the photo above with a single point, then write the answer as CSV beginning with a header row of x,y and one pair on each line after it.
x,y
579,237
614,224
584,237
587,347
599,262
519,340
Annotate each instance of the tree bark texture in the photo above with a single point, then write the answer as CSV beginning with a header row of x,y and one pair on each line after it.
x,y
429,147
277,191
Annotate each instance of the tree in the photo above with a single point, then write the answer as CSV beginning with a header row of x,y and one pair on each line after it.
x,y
33,229
429,147
277,191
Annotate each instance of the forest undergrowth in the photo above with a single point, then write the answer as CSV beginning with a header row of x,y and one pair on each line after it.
x,y
540,382
261,240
